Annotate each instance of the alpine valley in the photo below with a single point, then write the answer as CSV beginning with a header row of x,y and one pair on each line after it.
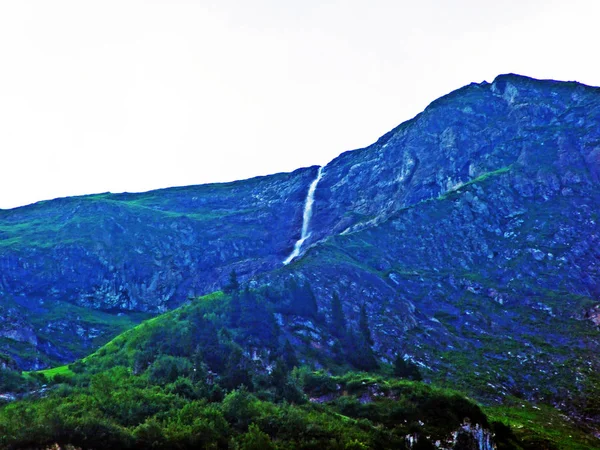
x,y
437,289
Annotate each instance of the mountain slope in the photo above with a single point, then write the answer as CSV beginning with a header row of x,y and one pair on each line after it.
x,y
467,237
132,252
471,236
486,310
171,383
549,129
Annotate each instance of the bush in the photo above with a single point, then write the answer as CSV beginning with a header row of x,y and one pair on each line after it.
x,y
166,369
240,408
317,383
255,439
406,369
11,381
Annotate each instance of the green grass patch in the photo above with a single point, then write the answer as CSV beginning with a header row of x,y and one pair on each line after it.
x,y
542,423
62,371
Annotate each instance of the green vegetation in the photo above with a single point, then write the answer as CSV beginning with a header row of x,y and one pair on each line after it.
x,y
183,381
45,225
480,179
541,426
406,369
116,409
60,371
487,286
170,406
14,382
193,379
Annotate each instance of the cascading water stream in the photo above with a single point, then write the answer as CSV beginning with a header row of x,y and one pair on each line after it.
x,y
308,204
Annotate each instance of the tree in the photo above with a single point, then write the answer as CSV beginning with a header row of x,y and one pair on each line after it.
x,y
237,372
255,439
338,352
289,355
257,322
338,319
363,325
166,369
235,307
359,352
406,369
240,408
11,380
310,300
233,285
141,361
302,300
285,388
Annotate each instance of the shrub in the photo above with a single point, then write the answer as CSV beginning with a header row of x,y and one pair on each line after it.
x,y
166,369
255,439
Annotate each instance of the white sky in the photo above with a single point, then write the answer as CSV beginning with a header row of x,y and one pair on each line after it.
x,y
133,95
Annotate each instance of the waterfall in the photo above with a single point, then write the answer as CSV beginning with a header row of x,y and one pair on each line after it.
x,y
308,204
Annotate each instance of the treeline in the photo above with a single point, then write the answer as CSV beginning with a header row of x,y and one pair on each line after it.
x,y
252,311
117,409
216,334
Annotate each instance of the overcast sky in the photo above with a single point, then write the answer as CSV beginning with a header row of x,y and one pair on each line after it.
x,y
129,95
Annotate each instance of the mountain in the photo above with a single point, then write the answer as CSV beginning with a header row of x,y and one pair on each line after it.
x,y
69,268
465,240
470,233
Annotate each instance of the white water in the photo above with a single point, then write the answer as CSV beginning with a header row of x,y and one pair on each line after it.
x,y
308,204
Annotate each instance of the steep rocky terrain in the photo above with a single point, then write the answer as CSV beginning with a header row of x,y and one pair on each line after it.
x,y
548,130
148,251
469,233
478,247
65,260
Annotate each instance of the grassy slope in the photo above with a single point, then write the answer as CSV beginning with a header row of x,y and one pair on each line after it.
x,y
340,393
104,393
121,226
49,223
533,424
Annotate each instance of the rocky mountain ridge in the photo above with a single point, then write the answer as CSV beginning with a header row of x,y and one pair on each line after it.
x,y
469,233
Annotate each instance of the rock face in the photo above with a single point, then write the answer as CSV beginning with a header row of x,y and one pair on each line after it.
x,y
470,233
467,437
134,252
546,131
149,252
